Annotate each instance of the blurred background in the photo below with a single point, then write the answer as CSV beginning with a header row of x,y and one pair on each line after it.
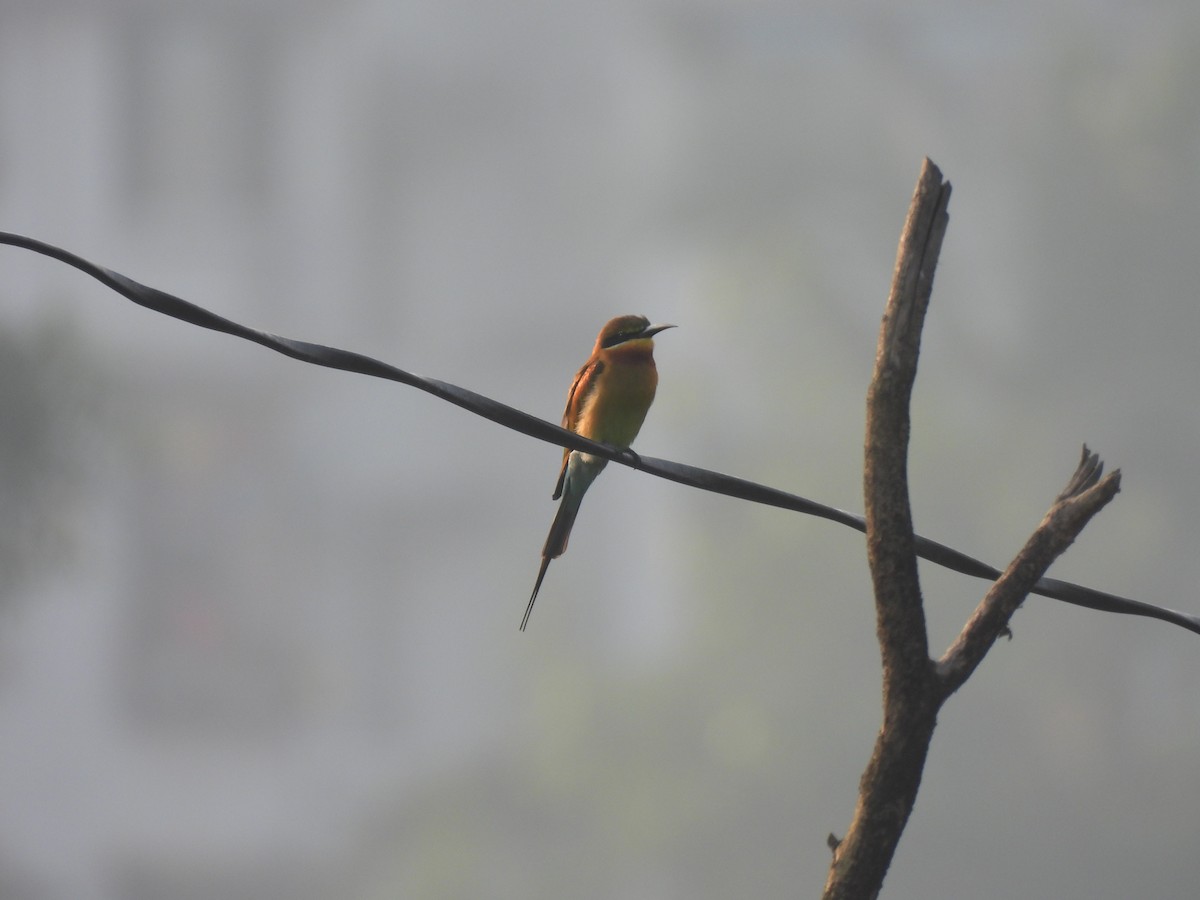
x,y
258,620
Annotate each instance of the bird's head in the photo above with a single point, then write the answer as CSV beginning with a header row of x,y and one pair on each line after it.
x,y
623,329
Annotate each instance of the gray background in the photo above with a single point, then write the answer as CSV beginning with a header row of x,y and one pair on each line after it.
x,y
258,621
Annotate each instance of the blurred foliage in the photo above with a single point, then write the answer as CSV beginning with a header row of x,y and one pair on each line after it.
x,y
47,390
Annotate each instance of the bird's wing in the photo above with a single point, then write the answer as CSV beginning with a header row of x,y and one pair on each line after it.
x,y
577,398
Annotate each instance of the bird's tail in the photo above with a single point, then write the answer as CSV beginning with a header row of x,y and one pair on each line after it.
x,y
580,473
556,543
536,587
560,528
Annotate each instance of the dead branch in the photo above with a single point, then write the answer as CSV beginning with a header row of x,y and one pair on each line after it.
x,y
914,687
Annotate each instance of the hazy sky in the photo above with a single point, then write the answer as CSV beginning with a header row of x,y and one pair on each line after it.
x,y
259,620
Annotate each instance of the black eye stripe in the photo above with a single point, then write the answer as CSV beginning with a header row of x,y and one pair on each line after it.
x,y
621,337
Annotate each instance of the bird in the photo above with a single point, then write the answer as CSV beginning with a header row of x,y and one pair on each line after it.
x,y
607,402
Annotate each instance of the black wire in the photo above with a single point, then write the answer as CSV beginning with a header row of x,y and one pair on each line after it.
x,y
333,358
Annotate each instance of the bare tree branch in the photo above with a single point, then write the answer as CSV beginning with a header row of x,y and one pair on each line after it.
x,y
1085,495
910,690
890,539
914,687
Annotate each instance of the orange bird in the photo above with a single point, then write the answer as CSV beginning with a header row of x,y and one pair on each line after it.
x,y
607,402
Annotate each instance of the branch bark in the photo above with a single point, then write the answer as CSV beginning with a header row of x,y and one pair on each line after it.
x,y
914,687
888,788
1085,495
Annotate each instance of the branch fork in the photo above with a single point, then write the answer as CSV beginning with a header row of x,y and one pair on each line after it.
x,y
914,685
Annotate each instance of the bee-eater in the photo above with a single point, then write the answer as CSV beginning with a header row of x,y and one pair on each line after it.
x,y
607,402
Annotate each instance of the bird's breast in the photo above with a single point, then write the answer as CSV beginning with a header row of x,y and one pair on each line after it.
x,y
614,411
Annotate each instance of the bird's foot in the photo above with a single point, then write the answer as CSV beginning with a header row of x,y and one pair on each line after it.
x,y
631,457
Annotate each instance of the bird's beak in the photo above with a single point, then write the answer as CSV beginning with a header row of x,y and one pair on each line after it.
x,y
655,329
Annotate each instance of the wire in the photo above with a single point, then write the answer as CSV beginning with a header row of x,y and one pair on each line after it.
x,y
510,417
